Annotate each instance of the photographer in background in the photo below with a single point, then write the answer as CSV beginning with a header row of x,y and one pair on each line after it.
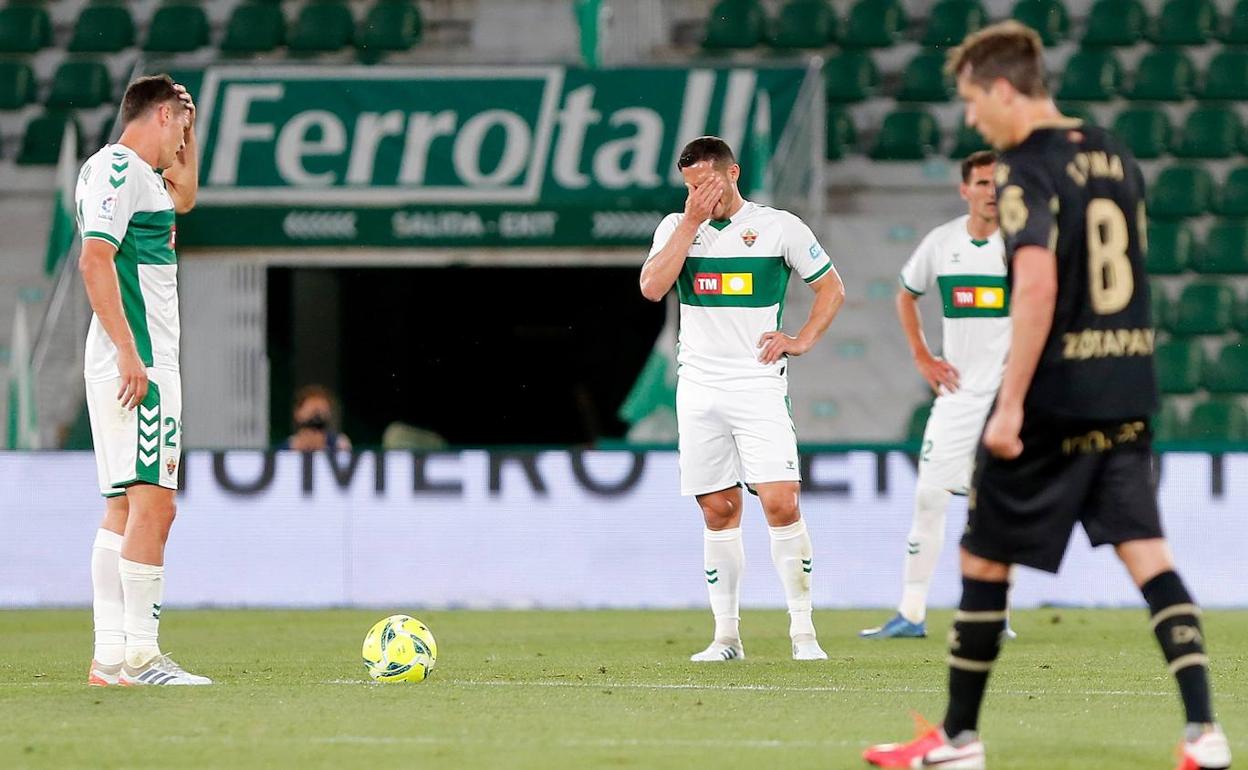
x,y
314,420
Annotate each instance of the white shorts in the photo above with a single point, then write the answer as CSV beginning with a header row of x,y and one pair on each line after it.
x,y
143,446
950,440
731,436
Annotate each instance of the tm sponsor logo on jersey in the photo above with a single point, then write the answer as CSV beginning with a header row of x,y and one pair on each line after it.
x,y
723,283
978,297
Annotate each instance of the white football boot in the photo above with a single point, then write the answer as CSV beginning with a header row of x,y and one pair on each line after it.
x,y
160,670
807,648
719,652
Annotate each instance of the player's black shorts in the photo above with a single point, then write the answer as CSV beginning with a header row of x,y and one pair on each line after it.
x,y
1100,474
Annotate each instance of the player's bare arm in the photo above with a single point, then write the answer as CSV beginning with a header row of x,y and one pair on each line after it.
x,y
182,178
939,373
1031,317
660,272
99,276
829,296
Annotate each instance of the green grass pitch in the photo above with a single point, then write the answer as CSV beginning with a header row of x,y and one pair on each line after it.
x,y
1078,689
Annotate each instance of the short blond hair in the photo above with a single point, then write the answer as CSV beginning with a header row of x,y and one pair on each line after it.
x,y
1007,50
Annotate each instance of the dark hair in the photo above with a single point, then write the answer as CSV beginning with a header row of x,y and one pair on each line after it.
x,y
308,392
710,148
1006,50
975,160
144,94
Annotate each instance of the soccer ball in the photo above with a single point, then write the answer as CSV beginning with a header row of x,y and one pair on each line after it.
x,y
399,649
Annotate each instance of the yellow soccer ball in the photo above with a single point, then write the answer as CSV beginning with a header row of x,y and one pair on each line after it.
x,y
399,649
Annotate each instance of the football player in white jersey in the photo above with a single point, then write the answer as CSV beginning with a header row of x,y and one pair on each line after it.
x,y
730,261
127,196
965,260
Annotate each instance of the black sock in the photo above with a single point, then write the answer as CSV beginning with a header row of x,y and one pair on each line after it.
x,y
973,646
1176,622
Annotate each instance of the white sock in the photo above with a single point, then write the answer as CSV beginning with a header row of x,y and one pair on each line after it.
x,y
923,544
791,553
107,603
144,587
723,556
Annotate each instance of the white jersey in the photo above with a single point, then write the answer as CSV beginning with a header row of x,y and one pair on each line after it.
x,y
731,291
123,201
971,275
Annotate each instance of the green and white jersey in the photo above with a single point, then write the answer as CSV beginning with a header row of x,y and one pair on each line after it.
x,y
122,200
731,292
975,295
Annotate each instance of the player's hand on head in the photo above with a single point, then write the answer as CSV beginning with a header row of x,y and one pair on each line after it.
x,y
133,380
776,345
941,375
187,101
1001,433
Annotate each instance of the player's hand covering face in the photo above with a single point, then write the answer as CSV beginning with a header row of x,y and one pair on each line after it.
x,y
710,190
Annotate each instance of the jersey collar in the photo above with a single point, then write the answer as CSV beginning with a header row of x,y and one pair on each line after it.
x,y
720,224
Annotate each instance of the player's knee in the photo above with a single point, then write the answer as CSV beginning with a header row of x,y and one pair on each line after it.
x,y
780,507
719,511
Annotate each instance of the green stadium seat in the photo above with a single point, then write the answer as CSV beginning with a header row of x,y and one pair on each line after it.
x,y
1227,76
850,77
1145,130
1180,365
41,144
1235,31
80,85
102,28
17,85
177,27
1167,424
805,24
1164,75
1181,191
391,25
1159,304
1170,248
735,24
1217,420
1228,373
321,28
1048,17
906,134
254,27
918,421
876,24
24,28
952,20
1204,307
1234,199
968,141
1077,110
1115,22
1092,75
1226,249
1186,22
924,79
1210,131
1241,316
842,135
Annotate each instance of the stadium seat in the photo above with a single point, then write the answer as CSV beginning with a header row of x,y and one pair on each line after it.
x,y
1181,191
1115,22
850,77
1204,307
1226,249
1228,373
17,85
1236,30
1210,132
906,134
1180,365
1227,76
1170,247
321,28
842,135
1186,22
805,24
103,28
1145,130
735,24
254,27
80,85
968,141
1163,75
391,25
918,421
1217,420
1076,110
1241,316
952,20
24,28
41,144
875,24
1167,424
1234,199
1159,304
177,27
1048,17
924,79
1092,75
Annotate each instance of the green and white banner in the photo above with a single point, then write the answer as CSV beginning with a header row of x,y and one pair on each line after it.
x,y
377,156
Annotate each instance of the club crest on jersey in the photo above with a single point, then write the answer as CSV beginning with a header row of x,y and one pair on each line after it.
x,y
171,465
732,284
749,235
108,208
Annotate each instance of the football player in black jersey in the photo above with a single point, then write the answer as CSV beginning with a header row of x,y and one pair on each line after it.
x,y
1068,440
